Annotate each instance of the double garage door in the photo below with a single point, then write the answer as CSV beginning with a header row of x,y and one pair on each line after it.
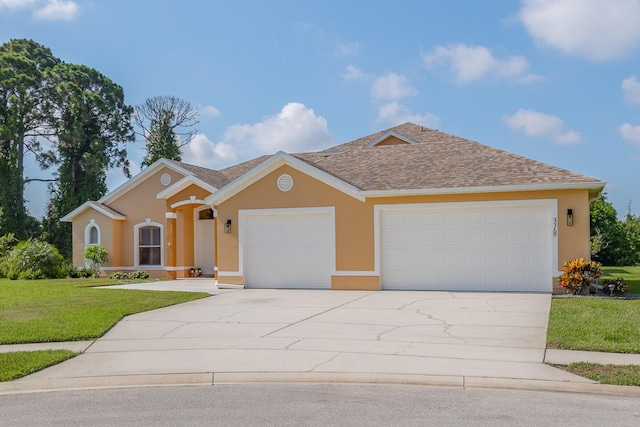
x,y
466,246
498,247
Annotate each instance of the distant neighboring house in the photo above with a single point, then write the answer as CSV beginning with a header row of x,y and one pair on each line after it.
x,y
405,208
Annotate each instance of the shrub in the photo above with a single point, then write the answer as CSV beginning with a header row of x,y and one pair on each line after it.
x,y
74,272
118,275
620,286
95,256
140,274
577,274
33,259
6,244
136,275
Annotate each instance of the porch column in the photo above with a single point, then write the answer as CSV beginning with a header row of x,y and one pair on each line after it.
x,y
170,249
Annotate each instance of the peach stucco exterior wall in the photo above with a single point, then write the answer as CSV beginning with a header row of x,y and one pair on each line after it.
x,y
117,236
108,236
354,221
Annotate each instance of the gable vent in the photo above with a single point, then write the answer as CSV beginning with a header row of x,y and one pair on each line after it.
x,y
391,138
285,182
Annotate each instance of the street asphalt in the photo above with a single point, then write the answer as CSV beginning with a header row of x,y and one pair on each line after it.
x,y
458,339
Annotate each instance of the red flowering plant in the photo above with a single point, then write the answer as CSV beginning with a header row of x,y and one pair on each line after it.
x,y
578,274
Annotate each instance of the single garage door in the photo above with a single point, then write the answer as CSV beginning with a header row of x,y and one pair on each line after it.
x,y
288,250
507,247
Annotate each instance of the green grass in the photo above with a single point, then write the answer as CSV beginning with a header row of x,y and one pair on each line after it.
x,y
606,374
21,363
71,310
594,324
631,276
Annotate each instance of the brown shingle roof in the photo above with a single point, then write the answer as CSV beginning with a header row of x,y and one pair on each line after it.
x,y
211,177
437,160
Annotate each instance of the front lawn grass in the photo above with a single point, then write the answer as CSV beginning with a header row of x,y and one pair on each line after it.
x,y
631,276
606,374
70,309
594,324
21,363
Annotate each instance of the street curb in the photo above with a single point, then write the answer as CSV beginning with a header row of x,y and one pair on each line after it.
x,y
229,378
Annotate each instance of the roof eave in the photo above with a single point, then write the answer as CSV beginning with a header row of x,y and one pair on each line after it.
x,y
91,205
595,188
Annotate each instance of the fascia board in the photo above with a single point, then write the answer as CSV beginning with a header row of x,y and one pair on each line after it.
x,y
91,205
598,186
140,177
279,159
182,184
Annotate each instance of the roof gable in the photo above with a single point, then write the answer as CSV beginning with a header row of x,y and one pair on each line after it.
x,y
141,177
99,207
182,184
391,138
277,160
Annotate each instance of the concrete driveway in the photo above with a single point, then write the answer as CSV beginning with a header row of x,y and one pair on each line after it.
x,y
296,334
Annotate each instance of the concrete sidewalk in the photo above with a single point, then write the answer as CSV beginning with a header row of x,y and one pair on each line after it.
x,y
456,339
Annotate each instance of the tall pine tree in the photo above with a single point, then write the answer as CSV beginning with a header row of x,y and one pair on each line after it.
x,y
22,66
89,124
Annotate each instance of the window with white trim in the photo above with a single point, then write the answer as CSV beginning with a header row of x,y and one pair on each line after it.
x,y
92,234
148,244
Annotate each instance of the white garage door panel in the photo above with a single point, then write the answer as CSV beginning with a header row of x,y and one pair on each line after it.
x,y
288,250
503,248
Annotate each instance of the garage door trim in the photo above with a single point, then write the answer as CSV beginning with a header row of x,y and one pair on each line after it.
x,y
242,232
550,204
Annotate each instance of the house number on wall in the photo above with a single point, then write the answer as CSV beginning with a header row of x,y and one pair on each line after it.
x,y
555,227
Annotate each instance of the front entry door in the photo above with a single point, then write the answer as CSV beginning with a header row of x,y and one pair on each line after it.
x,y
204,240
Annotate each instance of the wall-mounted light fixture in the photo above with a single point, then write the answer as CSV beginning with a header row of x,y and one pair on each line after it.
x,y
227,227
570,217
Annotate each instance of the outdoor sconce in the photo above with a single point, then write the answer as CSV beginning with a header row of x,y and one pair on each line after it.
x,y
227,227
570,217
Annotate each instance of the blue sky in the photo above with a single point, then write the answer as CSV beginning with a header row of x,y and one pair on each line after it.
x,y
554,80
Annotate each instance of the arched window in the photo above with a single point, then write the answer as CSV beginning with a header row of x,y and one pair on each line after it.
x,y
148,244
92,234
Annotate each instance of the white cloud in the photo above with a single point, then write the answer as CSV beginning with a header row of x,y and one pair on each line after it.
x,y
392,86
598,30
210,110
394,114
534,123
201,151
15,4
295,128
630,133
469,63
631,90
57,10
353,73
50,10
347,48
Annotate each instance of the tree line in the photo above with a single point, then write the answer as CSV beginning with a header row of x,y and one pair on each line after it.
x,y
614,241
72,118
